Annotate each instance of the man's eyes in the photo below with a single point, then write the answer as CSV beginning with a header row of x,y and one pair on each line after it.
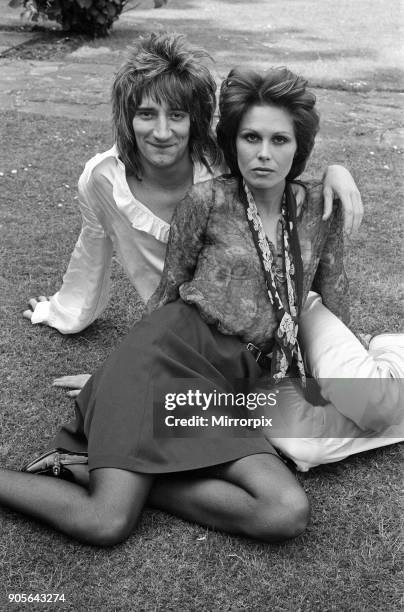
x,y
178,115
149,114
145,114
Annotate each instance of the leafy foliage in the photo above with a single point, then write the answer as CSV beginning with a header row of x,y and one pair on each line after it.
x,y
94,17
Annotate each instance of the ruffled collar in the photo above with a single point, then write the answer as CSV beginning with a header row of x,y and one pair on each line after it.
x,y
138,214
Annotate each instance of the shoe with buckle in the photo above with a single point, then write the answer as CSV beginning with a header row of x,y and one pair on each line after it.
x,y
55,463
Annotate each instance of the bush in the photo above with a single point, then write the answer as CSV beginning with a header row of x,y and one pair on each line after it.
x,y
94,17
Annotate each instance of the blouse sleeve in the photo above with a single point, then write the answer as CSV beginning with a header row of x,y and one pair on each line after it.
x,y
86,283
330,280
186,239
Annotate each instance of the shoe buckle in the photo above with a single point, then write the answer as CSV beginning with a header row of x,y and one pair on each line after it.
x,y
256,353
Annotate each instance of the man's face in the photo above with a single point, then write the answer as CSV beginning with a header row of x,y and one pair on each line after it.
x,y
162,133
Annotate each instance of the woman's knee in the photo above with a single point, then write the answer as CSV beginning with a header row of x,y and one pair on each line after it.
x,y
278,507
282,516
108,528
117,498
294,512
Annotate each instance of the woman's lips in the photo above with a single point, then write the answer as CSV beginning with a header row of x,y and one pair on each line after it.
x,y
263,170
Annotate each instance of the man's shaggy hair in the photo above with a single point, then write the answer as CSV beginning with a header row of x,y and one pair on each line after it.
x,y
167,69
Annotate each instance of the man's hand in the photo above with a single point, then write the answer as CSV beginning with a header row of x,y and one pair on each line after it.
x,y
338,182
75,382
33,302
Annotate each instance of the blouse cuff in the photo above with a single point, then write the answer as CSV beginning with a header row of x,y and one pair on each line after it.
x,y
53,314
41,313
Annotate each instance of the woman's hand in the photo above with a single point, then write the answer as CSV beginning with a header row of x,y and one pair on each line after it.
x,y
338,182
75,382
33,302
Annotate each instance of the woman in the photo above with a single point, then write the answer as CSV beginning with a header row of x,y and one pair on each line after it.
x,y
229,479
127,195
364,406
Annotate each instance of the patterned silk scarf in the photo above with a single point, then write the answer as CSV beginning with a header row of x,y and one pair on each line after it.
x,y
286,348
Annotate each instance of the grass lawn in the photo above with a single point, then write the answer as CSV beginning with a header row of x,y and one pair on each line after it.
x,y
349,557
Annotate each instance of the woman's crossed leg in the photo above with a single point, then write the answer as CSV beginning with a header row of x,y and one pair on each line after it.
x,y
255,496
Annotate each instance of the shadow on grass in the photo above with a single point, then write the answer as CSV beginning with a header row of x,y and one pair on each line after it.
x,y
319,58
242,46
194,4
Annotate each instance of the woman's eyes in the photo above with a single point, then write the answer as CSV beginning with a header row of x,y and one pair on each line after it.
x,y
280,139
251,137
276,139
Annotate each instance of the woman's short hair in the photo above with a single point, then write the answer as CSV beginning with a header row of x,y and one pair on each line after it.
x,y
244,88
166,68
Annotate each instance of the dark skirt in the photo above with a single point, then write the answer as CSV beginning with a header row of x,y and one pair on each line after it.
x,y
124,419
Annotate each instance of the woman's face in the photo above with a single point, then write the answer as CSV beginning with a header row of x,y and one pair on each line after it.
x,y
266,145
162,133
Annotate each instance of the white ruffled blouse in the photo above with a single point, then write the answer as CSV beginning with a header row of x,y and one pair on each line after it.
x,y
112,220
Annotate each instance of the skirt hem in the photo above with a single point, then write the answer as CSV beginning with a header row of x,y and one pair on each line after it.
x,y
124,463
